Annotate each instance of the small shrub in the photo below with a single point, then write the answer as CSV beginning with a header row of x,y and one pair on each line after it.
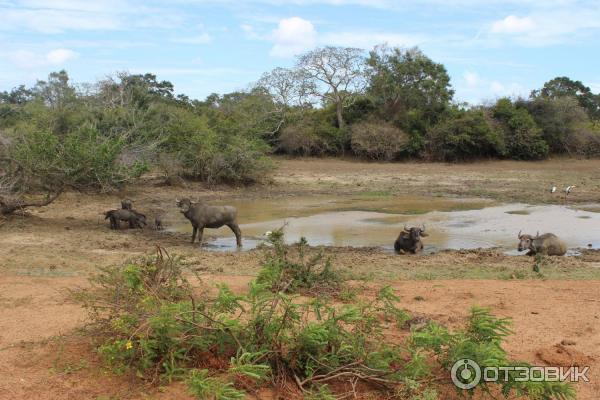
x,y
378,141
299,139
312,134
482,343
311,275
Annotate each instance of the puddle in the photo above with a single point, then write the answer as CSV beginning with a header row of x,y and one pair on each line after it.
x,y
376,221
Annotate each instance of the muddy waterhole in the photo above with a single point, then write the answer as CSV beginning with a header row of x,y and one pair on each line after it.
x,y
376,220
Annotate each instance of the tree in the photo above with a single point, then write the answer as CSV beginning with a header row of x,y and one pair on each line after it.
x,y
563,86
522,136
404,81
562,120
286,86
19,95
56,92
465,135
139,90
334,74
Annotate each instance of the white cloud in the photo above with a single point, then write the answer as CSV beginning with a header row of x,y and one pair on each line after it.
x,y
29,60
568,22
203,38
292,36
472,79
513,24
60,56
295,35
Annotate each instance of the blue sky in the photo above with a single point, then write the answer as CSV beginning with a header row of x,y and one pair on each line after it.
x,y
491,48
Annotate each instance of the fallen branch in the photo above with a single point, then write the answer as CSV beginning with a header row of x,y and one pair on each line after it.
x,y
9,205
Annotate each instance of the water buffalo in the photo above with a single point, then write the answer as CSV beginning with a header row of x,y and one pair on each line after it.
x,y
135,219
204,216
126,204
409,240
546,244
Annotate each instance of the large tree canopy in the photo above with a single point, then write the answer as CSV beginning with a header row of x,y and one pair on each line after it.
x,y
405,80
336,74
566,87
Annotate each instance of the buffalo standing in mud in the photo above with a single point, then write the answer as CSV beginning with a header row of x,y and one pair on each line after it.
x,y
204,216
409,240
135,219
547,244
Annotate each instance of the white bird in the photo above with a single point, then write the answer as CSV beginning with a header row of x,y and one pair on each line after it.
x,y
553,189
568,191
268,233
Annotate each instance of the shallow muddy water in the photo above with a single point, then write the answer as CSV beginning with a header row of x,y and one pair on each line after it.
x,y
377,220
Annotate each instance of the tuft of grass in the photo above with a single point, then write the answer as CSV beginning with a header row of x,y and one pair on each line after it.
x,y
377,193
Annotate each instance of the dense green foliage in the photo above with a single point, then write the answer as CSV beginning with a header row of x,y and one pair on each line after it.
x,y
104,135
152,322
388,105
464,134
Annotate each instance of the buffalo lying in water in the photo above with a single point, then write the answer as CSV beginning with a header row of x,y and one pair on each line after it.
x,y
409,240
546,244
204,216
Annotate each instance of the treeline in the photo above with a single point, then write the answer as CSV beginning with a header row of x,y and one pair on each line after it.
x,y
397,104
391,104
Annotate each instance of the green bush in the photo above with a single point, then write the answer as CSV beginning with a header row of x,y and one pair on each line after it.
x,y
314,133
565,125
150,321
301,139
469,135
378,141
297,272
482,343
206,156
522,136
82,159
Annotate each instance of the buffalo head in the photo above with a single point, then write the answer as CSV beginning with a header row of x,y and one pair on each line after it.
x,y
415,233
184,204
525,240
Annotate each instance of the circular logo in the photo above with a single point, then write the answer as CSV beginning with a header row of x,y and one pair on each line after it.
x,y
466,374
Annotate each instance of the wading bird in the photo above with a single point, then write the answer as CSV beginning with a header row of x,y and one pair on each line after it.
x,y
553,189
568,191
